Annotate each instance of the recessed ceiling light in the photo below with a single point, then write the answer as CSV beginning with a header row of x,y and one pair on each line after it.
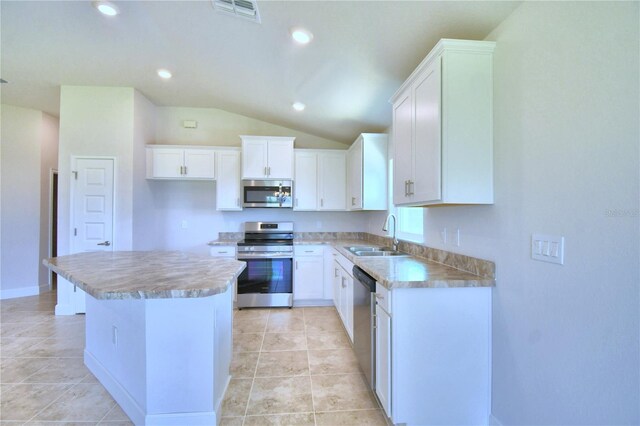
x,y
164,74
301,35
298,106
106,8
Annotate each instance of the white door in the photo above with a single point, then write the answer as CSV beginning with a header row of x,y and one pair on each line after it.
x,y
199,163
254,159
402,141
305,192
228,182
167,162
333,181
92,210
280,164
427,138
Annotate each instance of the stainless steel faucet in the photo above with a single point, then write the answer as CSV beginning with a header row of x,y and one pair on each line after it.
x,y
385,228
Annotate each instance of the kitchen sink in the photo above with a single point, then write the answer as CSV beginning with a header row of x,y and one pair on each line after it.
x,y
380,253
374,251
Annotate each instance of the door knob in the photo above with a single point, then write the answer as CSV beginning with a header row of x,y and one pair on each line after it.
x,y
105,243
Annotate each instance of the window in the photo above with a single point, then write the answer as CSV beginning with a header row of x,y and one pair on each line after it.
x,y
410,219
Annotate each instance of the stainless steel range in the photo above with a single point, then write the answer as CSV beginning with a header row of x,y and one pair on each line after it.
x,y
268,278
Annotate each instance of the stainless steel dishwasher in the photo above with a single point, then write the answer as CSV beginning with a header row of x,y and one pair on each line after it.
x,y
364,336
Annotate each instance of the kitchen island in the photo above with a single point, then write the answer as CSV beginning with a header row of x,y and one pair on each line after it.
x,y
158,330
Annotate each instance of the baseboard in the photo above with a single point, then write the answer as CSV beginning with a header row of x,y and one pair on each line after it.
x,y
493,421
13,293
134,411
122,397
311,303
218,405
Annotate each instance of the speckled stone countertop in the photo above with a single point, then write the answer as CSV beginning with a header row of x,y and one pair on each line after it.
x,y
450,271
146,274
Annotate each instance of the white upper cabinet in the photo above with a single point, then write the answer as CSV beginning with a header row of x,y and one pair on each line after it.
x,y
442,128
305,190
266,157
367,173
332,179
228,191
164,162
320,180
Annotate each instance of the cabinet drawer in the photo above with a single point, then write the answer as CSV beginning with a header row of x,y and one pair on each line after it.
x,y
222,251
303,250
383,297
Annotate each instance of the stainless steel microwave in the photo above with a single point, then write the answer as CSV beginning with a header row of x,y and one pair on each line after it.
x,y
267,193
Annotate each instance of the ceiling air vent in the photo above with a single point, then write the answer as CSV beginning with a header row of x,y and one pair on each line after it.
x,y
247,9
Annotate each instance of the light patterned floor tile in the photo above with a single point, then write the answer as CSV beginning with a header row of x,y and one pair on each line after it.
x,y
335,340
247,342
289,363
83,402
243,364
23,401
60,370
333,361
350,418
15,370
298,419
284,342
237,396
277,395
341,392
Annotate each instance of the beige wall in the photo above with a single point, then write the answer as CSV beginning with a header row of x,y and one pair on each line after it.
x,y
221,128
28,151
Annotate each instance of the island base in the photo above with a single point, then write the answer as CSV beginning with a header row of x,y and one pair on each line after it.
x,y
164,361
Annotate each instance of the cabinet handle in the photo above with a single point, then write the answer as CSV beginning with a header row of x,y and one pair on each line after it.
x,y
223,252
185,170
406,188
308,251
268,171
265,171
353,201
343,284
335,274
296,202
296,265
237,202
321,202
411,187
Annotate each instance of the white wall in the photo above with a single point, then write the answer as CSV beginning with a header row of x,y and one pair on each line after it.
x,y
20,195
48,162
146,235
566,123
28,152
222,128
97,121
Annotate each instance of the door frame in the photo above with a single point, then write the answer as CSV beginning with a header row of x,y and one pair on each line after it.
x,y
72,191
52,172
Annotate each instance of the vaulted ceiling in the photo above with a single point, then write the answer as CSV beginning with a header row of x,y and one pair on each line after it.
x,y
360,54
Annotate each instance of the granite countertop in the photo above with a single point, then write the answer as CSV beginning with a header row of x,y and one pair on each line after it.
x,y
404,272
147,274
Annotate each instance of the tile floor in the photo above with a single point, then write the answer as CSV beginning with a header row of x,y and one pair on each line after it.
x,y
290,367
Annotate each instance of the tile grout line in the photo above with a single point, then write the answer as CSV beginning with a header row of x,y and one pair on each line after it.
x,y
255,371
52,402
313,403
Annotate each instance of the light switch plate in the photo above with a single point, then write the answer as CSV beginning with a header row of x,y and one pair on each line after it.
x,y
547,248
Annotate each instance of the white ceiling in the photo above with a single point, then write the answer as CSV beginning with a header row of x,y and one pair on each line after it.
x,y
361,53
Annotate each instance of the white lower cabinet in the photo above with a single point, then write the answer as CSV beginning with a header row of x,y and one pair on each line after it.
x,y
383,359
226,251
308,277
343,291
433,355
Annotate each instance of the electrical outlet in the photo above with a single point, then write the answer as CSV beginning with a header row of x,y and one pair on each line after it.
x,y
547,248
456,238
114,335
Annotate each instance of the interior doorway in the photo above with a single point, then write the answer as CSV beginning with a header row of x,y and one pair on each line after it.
x,y
53,226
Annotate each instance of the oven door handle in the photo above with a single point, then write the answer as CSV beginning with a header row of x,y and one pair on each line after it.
x,y
272,255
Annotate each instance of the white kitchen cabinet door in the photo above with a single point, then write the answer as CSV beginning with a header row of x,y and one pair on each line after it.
x,y
403,148
228,252
280,159
167,163
337,286
199,163
254,158
354,175
308,278
305,190
383,359
332,168
228,190
425,185
347,296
